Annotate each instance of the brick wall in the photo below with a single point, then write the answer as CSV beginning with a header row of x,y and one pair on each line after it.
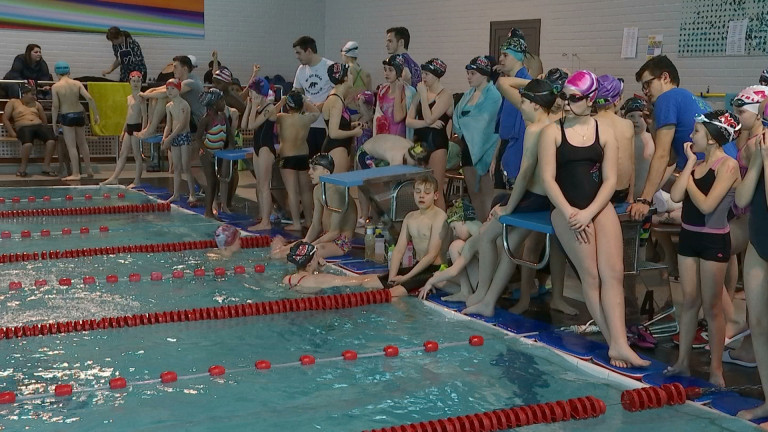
x,y
243,31
584,34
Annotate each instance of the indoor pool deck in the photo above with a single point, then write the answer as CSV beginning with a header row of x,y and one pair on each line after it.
x,y
245,204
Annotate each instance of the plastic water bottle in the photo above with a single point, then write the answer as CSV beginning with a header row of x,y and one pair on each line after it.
x,y
379,245
370,246
408,259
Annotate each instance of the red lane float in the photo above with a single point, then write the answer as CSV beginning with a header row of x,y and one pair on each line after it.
x,y
263,365
117,383
349,355
168,377
216,370
430,346
502,419
328,302
62,390
307,360
246,242
96,210
644,398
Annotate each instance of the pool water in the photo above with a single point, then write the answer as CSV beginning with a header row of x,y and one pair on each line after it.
x,y
334,395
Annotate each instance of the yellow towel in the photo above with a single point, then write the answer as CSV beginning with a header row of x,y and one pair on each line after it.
x,y
111,101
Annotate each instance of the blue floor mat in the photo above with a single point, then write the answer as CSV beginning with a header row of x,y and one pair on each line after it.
x,y
342,258
517,324
571,343
657,379
601,358
452,305
733,404
364,267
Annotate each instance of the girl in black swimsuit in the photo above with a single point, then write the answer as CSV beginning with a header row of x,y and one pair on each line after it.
x,y
341,131
429,118
260,116
579,169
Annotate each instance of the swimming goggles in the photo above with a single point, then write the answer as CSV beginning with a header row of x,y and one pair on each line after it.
x,y
738,103
574,98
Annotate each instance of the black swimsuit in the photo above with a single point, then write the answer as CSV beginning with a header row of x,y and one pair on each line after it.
x,y
578,170
430,138
344,125
264,136
758,229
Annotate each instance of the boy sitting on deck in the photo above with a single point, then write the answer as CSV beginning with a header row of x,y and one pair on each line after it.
x,y
425,228
331,232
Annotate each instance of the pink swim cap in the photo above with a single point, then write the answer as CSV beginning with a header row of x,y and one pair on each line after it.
x,y
226,235
752,95
584,82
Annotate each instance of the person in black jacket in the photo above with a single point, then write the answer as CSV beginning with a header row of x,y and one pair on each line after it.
x,y
27,66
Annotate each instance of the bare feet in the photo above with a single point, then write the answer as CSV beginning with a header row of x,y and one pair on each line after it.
x,y
754,413
71,178
225,209
562,306
624,357
460,296
521,306
677,370
109,181
260,226
717,379
294,227
133,185
482,308
475,298
89,175
173,198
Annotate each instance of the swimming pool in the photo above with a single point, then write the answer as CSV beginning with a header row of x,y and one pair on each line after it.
x,y
334,395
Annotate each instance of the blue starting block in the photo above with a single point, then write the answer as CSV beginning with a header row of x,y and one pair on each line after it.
x,y
154,148
367,181
231,156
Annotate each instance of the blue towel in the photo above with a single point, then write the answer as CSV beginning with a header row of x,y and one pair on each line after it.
x,y
477,127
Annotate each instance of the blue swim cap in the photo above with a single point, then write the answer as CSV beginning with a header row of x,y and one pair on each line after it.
x,y
61,68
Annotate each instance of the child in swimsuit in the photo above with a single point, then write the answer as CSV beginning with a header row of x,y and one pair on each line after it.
x,y
707,192
341,130
214,133
176,137
135,120
308,280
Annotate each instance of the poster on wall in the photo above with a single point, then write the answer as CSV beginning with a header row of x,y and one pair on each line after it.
x,y
655,44
723,28
165,18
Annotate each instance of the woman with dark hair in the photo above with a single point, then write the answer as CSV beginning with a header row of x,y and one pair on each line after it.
x,y
128,55
27,66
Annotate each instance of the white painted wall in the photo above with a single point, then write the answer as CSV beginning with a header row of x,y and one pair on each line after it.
x,y
243,31
577,34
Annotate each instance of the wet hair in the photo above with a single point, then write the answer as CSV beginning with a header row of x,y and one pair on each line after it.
x,y
401,34
184,61
540,92
584,82
306,43
28,52
426,179
657,66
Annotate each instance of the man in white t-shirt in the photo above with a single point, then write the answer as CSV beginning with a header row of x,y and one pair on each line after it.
x,y
312,80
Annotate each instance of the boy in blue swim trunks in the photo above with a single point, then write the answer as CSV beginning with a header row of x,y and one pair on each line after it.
x,y
176,137
331,232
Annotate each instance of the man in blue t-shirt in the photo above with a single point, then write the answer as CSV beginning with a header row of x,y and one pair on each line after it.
x,y
398,40
509,124
674,110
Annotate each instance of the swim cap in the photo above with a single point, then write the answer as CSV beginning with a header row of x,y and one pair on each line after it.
x,y
609,89
367,97
634,104
419,154
763,77
324,160
210,97
294,100
135,74
481,64
396,61
515,44
223,74
556,78
301,253
435,66
61,68
584,82
337,73
173,82
192,60
461,211
350,49
539,92
516,33
259,85
722,125
226,235
752,95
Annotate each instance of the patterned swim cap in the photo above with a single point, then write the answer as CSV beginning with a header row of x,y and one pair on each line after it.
x,y
556,77
435,66
752,96
350,49
584,82
223,74
337,73
301,253
481,64
210,97
609,90
259,85
634,104
226,235
397,63
722,125
367,97
461,211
